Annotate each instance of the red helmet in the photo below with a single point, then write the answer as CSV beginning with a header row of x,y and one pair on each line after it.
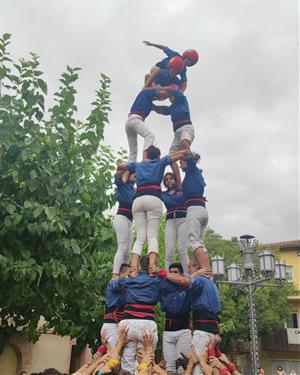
x,y
176,63
192,55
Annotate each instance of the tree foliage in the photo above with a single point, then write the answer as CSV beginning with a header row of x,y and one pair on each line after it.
x,y
55,178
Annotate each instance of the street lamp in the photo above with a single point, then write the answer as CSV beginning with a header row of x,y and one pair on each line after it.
x,y
248,278
280,270
233,272
218,267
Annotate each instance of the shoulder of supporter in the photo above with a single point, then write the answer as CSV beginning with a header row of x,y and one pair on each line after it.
x,y
131,166
166,160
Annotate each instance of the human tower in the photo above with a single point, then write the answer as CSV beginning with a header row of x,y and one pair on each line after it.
x,y
133,292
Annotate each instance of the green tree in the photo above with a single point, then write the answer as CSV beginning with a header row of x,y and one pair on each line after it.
x,y
56,246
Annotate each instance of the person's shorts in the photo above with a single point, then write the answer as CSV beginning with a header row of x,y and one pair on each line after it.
x,y
185,132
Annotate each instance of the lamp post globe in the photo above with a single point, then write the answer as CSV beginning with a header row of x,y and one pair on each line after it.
x,y
267,263
218,266
280,271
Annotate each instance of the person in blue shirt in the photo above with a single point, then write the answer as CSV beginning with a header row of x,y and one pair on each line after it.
x,y
177,337
165,77
135,124
180,116
205,305
175,228
113,304
122,223
182,125
140,295
190,58
147,204
193,186
206,308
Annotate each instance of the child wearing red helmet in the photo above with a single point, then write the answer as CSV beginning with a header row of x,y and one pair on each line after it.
x,y
168,76
190,58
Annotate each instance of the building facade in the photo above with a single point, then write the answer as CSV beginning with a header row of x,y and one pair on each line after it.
x,y
283,347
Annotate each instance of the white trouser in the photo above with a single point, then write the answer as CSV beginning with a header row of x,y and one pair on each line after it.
x,y
196,220
185,132
134,126
135,340
111,330
174,343
123,228
200,341
176,232
146,211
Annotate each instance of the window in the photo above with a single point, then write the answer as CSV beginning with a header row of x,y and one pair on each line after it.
x,y
292,320
289,274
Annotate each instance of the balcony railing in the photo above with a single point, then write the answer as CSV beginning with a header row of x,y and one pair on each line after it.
x,y
283,339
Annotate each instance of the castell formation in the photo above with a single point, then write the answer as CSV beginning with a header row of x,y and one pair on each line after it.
x,y
185,290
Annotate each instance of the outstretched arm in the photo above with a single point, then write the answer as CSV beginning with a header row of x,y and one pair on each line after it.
x,y
159,46
178,279
173,277
181,154
205,271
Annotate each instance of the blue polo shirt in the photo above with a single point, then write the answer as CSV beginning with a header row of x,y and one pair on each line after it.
x,y
124,195
206,304
193,184
142,105
143,289
205,295
164,79
164,63
113,298
125,191
175,204
149,175
177,301
177,306
179,110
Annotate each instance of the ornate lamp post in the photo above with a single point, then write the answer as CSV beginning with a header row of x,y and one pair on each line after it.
x,y
251,275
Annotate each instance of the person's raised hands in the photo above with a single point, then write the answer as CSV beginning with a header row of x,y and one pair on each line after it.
x,y
205,271
147,341
224,359
83,370
156,369
153,269
214,362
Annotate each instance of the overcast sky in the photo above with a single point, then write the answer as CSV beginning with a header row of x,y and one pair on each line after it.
x,y
243,93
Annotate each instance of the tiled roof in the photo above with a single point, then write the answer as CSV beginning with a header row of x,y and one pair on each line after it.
x,y
283,245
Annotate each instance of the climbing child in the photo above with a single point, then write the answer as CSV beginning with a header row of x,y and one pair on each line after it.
x,y
190,58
